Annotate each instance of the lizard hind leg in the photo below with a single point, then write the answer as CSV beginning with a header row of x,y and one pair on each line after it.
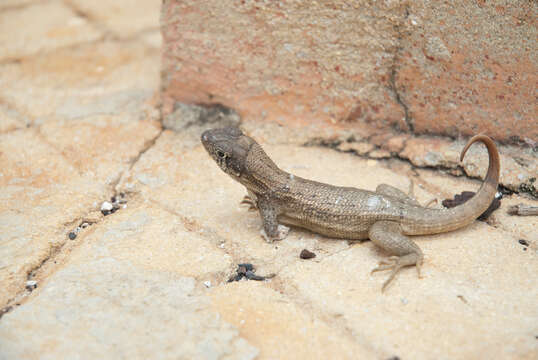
x,y
388,236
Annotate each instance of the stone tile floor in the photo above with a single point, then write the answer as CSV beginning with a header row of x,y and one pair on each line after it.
x,y
79,125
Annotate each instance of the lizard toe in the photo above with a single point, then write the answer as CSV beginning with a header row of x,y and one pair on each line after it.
x,y
396,263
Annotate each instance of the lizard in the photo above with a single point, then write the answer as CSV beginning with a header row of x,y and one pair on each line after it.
x,y
386,216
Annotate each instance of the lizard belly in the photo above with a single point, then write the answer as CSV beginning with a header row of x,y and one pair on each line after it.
x,y
340,227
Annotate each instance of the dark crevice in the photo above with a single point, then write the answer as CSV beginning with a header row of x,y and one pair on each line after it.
x,y
75,227
455,171
392,81
17,299
185,116
399,29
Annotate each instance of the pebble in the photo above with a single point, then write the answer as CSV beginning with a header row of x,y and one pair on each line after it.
x,y
31,285
106,206
306,254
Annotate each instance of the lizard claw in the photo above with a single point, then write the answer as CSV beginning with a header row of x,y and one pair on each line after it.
x,y
396,263
386,264
250,202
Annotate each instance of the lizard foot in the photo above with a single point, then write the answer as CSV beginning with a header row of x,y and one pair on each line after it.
x,y
396,263
250,202
282,232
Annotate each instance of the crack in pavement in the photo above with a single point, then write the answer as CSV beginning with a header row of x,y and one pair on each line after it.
x,y
63,247
147,145
456,170
393,74
392,81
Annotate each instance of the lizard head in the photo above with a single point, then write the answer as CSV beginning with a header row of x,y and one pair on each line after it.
x,y
229,148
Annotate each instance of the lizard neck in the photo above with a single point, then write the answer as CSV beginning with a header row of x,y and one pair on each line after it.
x,y
261,174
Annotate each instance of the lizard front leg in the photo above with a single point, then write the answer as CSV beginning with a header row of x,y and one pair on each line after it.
x,y
272,230
388,235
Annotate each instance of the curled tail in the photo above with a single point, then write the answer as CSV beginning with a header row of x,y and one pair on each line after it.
x,y
433,221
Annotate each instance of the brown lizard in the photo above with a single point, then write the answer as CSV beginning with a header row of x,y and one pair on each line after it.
x,y
385,216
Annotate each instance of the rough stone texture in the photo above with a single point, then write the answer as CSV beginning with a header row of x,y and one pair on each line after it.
x,y
41,191
455,68
79,125
60,27
161,312
459,299
124,18
93,79
72,119
259,312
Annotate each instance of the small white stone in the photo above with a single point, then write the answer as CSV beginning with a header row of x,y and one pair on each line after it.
x,y
106,206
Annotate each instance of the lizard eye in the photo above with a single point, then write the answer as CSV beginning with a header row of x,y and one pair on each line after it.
x,y
221,154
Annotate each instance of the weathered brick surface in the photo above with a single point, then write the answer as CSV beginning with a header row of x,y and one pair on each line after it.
x,y
283,61
427,67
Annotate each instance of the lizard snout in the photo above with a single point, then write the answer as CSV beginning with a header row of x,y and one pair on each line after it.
x,y
205,136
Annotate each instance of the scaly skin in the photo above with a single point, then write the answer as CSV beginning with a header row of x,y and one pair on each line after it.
x,y
385,216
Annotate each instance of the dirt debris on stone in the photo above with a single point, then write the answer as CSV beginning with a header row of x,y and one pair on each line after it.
x,y
307,254
115,203
31,285
247,271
